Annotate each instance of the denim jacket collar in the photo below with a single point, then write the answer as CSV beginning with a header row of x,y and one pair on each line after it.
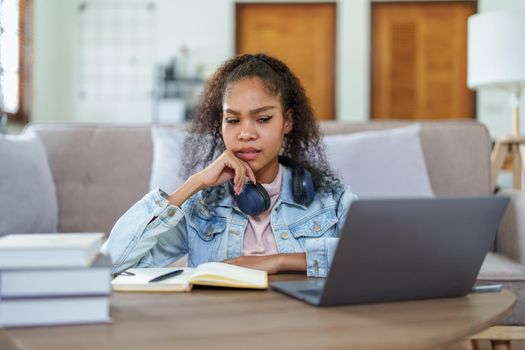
x,y
286,195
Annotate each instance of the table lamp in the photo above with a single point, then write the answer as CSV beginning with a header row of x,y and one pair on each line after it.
x,y
496,59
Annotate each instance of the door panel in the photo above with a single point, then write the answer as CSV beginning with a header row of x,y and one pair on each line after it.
x,y
301,35
419,60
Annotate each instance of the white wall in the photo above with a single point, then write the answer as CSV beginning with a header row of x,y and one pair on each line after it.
x,y
49,76
207,27
353,60
493,106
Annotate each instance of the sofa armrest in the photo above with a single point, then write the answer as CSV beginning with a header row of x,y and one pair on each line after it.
x,y
510,240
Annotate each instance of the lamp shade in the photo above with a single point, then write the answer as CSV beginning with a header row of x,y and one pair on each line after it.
x,y
496,50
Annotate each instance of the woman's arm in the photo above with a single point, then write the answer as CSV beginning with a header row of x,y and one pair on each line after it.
x,y
135,233
320,251
153,231
285,262
188,189
317,258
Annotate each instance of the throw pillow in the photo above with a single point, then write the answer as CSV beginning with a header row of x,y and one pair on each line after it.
x,y
28,201
167,161
385,163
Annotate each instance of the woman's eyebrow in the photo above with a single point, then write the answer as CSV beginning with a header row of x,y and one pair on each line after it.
x,y
261,109
253,111
231,111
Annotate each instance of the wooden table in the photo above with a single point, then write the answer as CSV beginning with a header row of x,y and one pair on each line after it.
x,y
237,319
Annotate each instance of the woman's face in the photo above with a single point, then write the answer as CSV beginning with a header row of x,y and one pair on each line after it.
x,y
254,125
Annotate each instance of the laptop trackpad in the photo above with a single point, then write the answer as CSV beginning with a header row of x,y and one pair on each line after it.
x,y
311,292
311,287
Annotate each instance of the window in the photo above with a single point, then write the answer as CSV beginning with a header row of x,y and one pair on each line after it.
x,y
115,43
12,59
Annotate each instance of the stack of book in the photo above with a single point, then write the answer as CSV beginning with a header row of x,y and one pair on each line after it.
x,y
50,279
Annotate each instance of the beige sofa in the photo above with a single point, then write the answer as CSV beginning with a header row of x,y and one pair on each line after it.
x,y
100,170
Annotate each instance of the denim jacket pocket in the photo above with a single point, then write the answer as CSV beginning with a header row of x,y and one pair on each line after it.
x,y
207,229
317,225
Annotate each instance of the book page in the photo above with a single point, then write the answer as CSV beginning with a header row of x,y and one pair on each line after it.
x,y
227,275
140,282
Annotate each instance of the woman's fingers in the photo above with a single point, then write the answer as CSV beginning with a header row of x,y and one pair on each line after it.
x,y
242,169
246,171
251,175
234,163
230,167
237,178
242,178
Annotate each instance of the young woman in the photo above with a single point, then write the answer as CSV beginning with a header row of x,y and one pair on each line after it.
x,y
259,192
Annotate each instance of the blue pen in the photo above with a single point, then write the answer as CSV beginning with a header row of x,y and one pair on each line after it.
x,y
166,275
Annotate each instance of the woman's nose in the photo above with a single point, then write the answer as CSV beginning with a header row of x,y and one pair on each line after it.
x,y
246,134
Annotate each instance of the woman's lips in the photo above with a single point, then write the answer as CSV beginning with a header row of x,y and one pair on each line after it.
x,y
248,154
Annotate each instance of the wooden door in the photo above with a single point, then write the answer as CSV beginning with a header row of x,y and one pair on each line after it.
x,y
301,35
419,60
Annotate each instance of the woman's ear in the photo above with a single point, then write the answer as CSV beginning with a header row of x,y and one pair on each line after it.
x,y
288,121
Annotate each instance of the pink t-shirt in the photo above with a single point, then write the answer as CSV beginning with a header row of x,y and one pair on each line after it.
x,y
258,237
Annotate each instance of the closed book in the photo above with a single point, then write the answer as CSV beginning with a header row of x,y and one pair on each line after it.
x,y
41,250
93,280
54,311
207,274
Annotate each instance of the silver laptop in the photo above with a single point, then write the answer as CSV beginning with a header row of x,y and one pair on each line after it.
x,y
406,249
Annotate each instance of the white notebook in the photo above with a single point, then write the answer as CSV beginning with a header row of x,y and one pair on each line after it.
x,y
57,281
45,250
54,311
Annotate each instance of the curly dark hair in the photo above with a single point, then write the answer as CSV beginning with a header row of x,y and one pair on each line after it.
x,y
204,140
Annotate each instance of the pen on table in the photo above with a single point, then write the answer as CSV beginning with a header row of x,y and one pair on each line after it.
x,y
487,288
127,273
166,275
123,273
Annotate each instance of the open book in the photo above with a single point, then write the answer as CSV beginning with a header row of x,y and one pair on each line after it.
x,y
208,274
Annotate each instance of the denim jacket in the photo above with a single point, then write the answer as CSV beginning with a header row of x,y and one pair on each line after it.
x,y
213,230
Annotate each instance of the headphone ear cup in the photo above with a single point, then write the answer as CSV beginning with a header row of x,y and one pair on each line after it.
x,y
308,188
253,199
297,179
302,187
264,195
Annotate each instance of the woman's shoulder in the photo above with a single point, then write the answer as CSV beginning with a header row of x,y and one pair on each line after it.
x,y
337,195
331,186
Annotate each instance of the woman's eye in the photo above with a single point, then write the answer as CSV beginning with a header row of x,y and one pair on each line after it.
x,y
231,120
264,119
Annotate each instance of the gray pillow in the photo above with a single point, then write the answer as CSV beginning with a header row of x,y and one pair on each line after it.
x,y
167,161
385,163
28,202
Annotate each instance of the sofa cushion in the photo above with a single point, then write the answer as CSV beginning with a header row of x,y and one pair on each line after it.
x,y
167,158
501,270
510,240
99,171
457,152
385,163
499,267
28,203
